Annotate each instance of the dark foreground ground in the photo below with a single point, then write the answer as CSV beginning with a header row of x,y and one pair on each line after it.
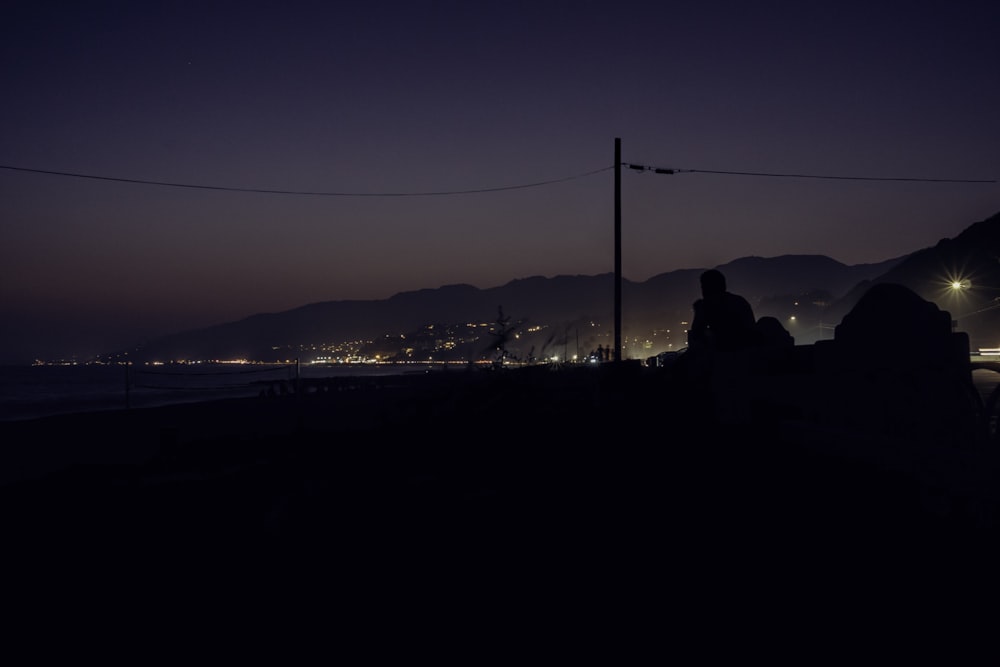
x,y
597,511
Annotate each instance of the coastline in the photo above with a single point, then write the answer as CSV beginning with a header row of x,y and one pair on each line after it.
x,y
30,392
47,442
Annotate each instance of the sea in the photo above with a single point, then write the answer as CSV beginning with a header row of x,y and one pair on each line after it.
x,y
30,392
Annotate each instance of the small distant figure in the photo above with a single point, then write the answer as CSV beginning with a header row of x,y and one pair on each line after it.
x,y
722,320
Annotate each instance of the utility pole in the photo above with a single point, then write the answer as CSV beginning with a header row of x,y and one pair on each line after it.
x,y
618,249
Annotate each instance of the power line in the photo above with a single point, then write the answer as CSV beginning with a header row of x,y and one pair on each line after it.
x,y
439,193
662,170
308,193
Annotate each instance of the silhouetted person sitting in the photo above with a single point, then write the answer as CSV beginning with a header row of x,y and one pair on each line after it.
x,y
722,321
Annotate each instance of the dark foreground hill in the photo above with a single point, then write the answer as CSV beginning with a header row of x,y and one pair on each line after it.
x,y
585,500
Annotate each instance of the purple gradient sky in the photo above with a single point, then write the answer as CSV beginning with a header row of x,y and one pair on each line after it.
x,y
391,97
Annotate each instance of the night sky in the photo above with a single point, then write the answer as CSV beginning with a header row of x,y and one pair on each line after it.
x,y
414,126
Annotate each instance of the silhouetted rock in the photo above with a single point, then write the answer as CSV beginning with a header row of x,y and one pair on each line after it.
x,y
893,325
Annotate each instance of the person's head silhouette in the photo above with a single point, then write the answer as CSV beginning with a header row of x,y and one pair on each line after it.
x,y
713,283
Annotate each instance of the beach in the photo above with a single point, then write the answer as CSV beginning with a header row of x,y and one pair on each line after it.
x,y
569,494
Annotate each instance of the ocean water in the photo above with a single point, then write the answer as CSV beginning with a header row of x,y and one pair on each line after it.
x,y
28,392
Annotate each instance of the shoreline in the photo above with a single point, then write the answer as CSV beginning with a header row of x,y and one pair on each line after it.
x,y
332,406
31,392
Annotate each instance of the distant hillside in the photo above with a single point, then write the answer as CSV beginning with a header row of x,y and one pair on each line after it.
x,y
560,315
565,315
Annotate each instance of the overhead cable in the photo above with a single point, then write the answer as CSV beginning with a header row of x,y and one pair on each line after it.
x,y
633,166
662,170
309,193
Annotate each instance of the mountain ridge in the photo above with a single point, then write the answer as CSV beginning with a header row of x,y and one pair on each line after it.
x,y
808,293
561,301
